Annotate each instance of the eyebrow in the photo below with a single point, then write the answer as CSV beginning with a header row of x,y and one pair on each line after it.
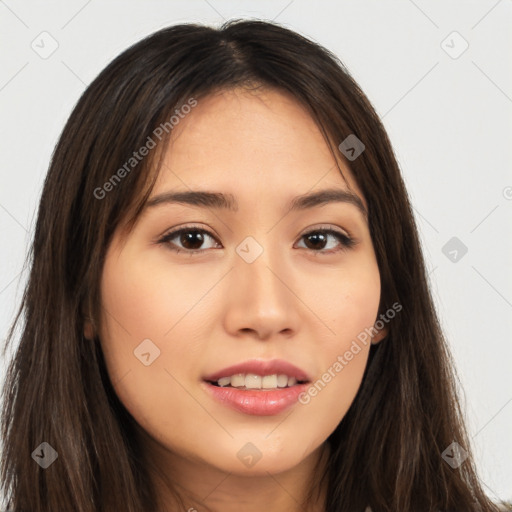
x,y
218,200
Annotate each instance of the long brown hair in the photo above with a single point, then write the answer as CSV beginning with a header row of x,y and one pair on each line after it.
x,y
387,450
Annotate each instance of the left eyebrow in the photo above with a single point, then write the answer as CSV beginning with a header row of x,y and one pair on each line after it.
x,y
330,195
218,200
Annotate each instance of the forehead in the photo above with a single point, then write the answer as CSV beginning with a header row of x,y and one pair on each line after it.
x,y
248,143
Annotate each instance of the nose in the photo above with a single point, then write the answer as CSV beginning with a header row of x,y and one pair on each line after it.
x,y
262,302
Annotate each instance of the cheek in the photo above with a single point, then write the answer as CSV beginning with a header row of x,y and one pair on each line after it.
x,y
134,298
351,304
145,301
147,309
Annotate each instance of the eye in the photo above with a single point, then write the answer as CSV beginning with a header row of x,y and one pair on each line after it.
x,y
318,239
192,238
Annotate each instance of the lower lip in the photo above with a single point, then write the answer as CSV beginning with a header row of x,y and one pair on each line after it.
x,y
257,402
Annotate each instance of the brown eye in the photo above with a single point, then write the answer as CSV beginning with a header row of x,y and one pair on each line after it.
x,y
191,240
318,239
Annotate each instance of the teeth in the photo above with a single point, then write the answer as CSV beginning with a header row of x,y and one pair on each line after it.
x,y
238,380
269,381
224,381
253,381
282,381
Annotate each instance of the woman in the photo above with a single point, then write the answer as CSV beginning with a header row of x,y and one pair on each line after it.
x,y
228,304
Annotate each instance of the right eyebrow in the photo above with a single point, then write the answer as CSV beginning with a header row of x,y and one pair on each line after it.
x,y
196,198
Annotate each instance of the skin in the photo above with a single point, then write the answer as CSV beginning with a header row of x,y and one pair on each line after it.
x,y
213,309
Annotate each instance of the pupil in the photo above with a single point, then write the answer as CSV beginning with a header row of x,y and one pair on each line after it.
x,y
188,238
317,237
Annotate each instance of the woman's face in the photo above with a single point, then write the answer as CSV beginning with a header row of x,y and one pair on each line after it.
x,y
267,290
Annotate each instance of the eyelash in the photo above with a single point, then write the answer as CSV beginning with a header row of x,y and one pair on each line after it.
x,y
346,242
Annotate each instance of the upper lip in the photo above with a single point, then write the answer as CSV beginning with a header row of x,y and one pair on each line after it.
x,y
261,367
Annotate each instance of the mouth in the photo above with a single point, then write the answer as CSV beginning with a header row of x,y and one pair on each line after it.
x,y
252,381
262,388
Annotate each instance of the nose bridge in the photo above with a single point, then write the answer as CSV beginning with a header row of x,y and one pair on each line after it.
x,y
259,265
262,300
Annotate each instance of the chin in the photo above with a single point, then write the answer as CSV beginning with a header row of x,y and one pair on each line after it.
x,y
261,456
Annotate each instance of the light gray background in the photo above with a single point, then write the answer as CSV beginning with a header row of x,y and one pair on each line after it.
x,y
449,120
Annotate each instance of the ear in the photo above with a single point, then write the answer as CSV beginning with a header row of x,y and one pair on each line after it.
x,y
88,329
380,335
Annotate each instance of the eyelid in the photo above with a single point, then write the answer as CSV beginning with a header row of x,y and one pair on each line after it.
x,y
321,227
347,242
328,227
172,233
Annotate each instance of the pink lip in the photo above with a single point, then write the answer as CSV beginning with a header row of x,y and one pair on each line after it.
x,y
260,367
258,401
